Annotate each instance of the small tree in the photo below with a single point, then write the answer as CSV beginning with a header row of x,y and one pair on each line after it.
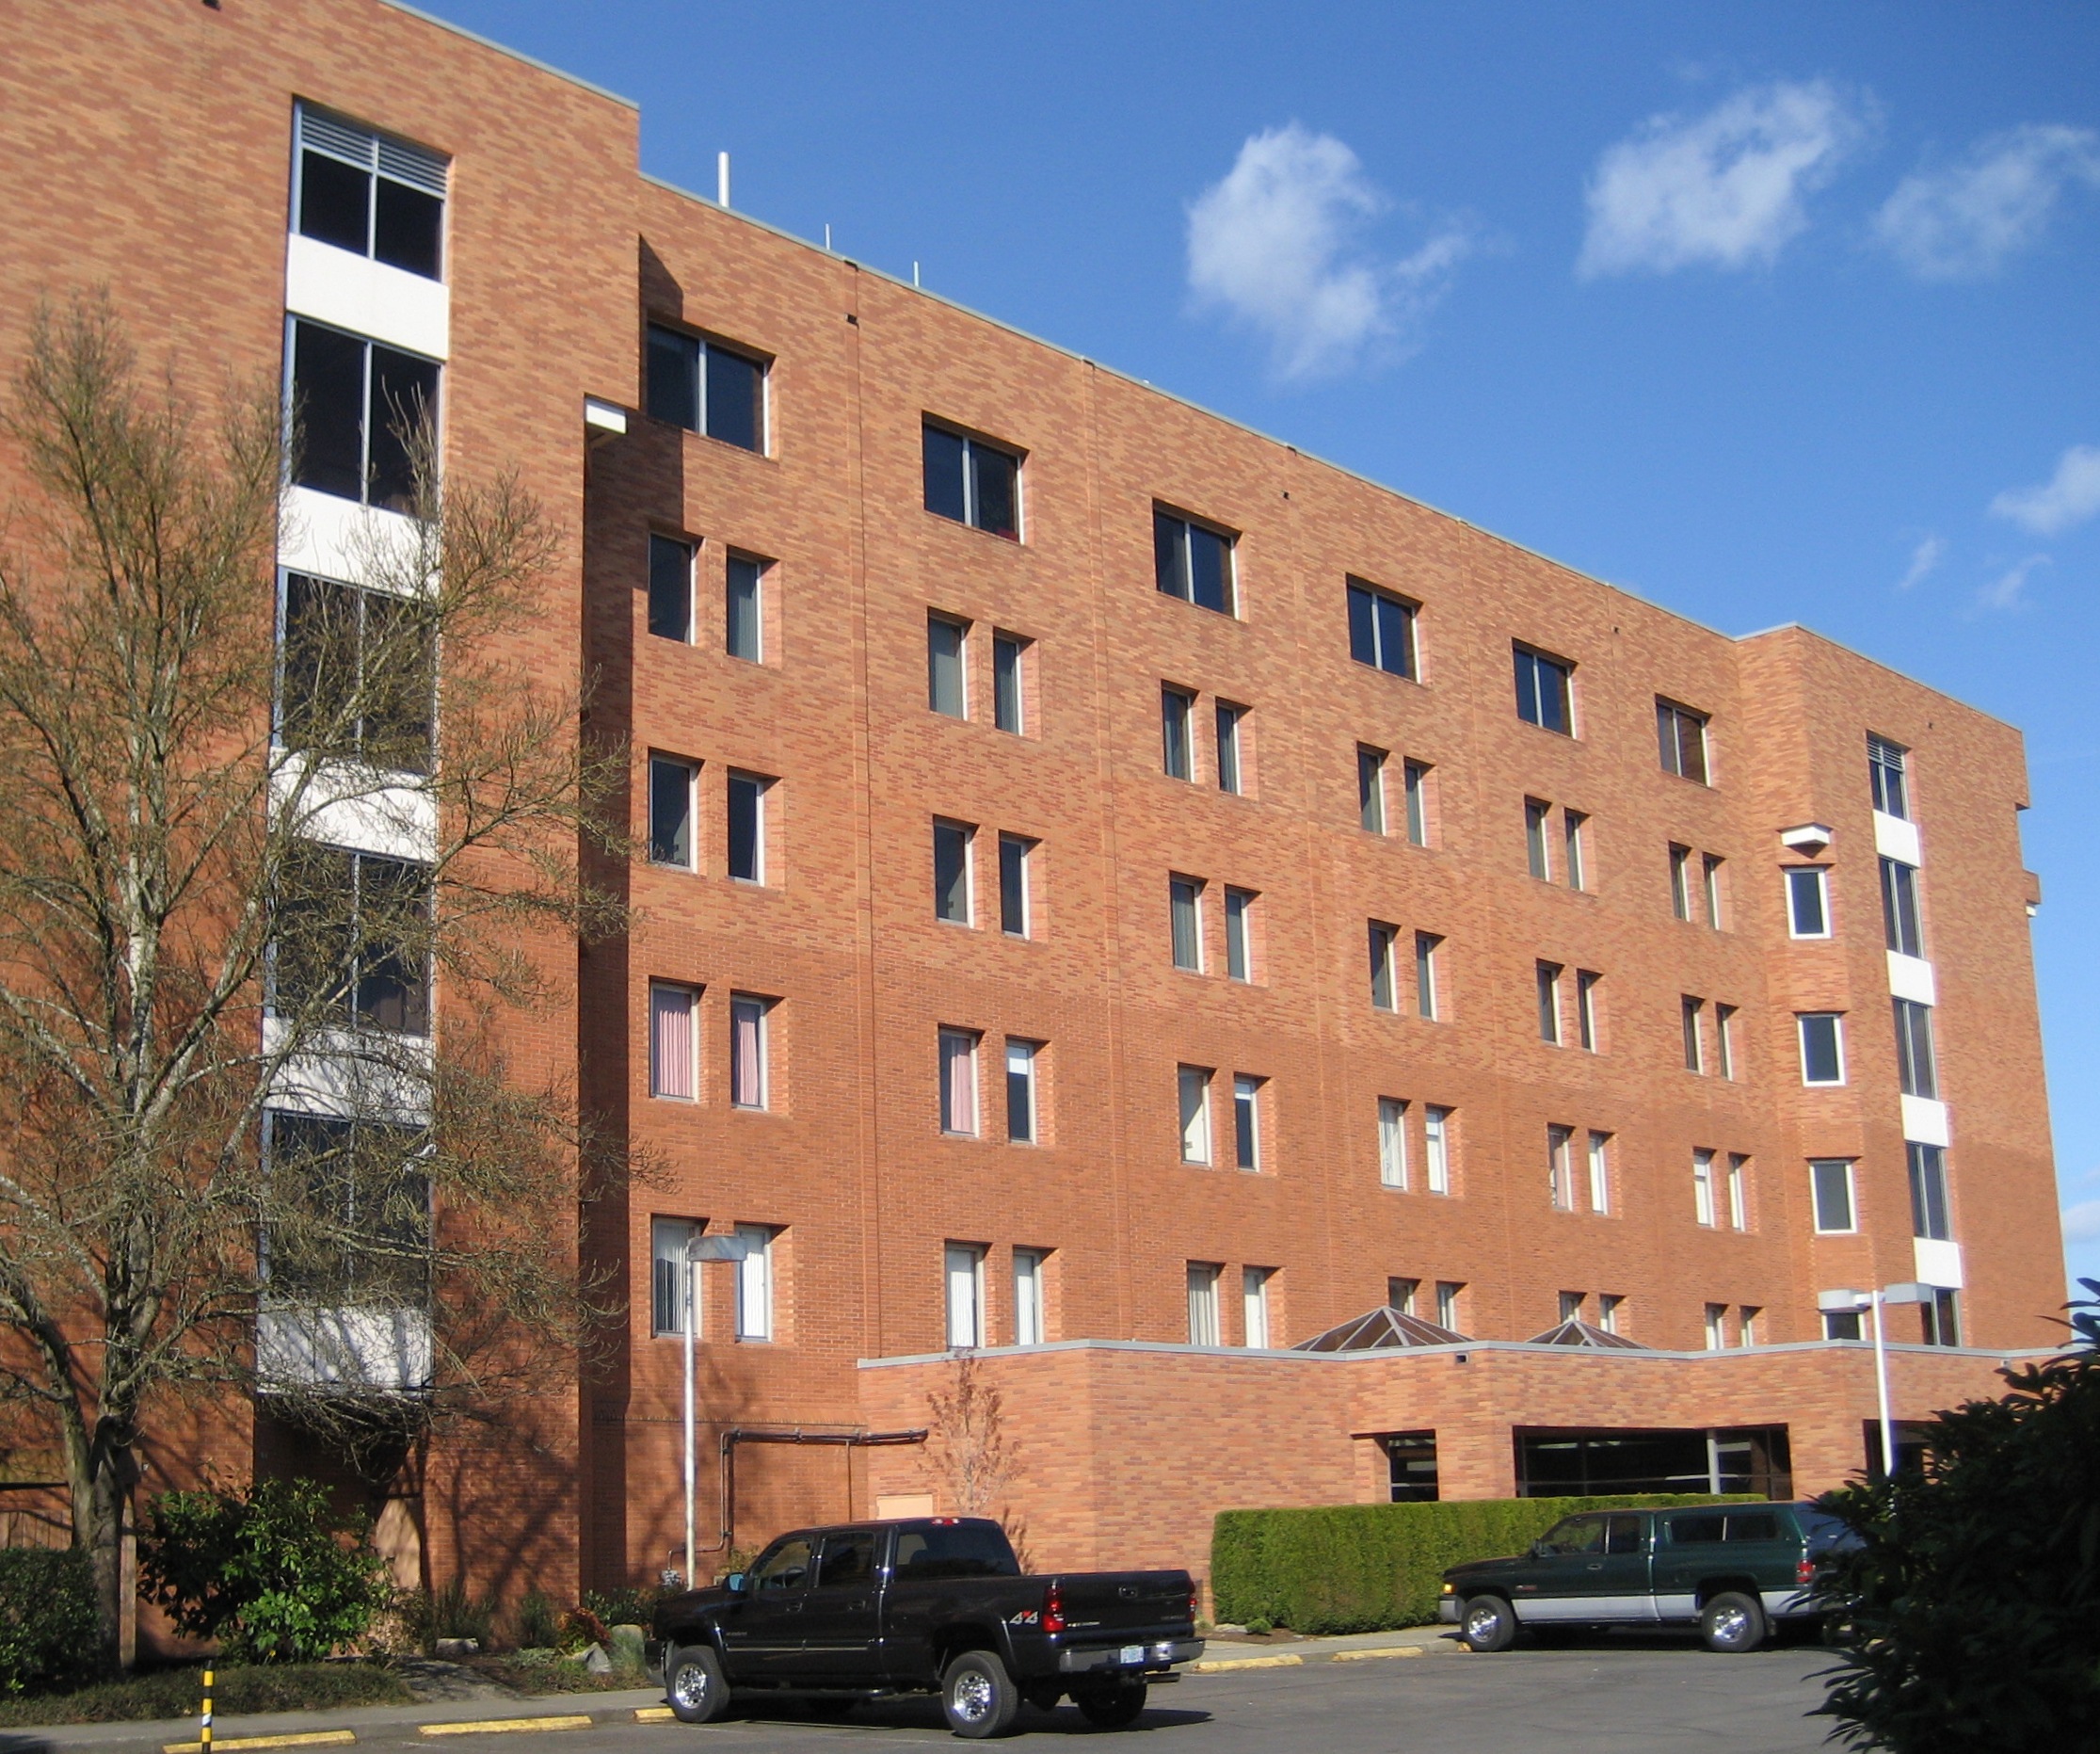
x,y
1972,1598
978,1464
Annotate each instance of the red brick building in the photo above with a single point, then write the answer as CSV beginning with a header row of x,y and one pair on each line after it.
x,y
1121,896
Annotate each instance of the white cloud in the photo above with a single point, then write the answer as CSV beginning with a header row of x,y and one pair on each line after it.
x,y
1725,188
1274,244
1963,222
1925,559
2070,496
2009,589
2081,1223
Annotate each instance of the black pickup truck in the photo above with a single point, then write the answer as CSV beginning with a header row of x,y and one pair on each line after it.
x,y
934,1604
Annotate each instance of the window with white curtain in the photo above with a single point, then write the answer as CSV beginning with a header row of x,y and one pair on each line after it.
x,y
1195,1114
754,1282
966,1295
1254,1293
1203,1304
1031,1328
669,1275
1392,1142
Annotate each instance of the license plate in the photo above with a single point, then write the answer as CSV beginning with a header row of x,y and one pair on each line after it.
x,y
1132,1653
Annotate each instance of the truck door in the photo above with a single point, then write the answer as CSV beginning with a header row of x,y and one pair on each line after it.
x,y
840,1624
1559,1581
1619,1575
762,1637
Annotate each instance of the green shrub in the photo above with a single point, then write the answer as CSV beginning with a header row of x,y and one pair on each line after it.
x,y
622,1607
538,1627
450,1610
1363,1567
48,1629
273,1576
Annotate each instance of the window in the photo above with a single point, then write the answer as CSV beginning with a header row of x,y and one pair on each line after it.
x,y
1703,1189
1899,908
952,897
973,482
1020,1091
1381,630
1438,1124
1411,1467
673,1042
746,843
1194,1082
1600,1173
359,673
1738,1191
1550,1003
1448,1293
1560,1169
1014,850
1809,900
1177,732
1887,774
370,194
1927,1164
744,608
1184,896
1709,866
1537,813
670,587
749,1073
353,940
1680,881
1608,1308
364,412
1417,777
1542,691
1230,718
1384,985
670,1299
1694,1051
849,1560
1842,1324
1586,982
1830,1188
1942,1314
670,812
1428,1000
355,1224
946,689
959,1082
1746,1324
1916,1064
1371,788
1717,1329
754,1282
1008,704
1682,734
1823,1047
1030,1328
1192,562
965,1263
1246,1121
1203,1304
1571,1305
1392,1142
1400,1294
1724,1040
1573,823
1239,934
706,388
1254,1302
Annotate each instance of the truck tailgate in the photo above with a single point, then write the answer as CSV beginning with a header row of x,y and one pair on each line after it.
x,y
1101,1605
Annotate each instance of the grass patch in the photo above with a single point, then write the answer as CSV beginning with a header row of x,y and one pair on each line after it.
x,y
235,1692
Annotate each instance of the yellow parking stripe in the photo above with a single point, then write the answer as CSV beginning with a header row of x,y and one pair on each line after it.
x,y
303,1739
497,1725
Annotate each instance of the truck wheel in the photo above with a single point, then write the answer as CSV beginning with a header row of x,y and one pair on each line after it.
x,y
978,1696
1733,1621
1489,1623
1112,1708
694,1686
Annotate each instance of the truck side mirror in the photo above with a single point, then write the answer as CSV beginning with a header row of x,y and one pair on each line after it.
x,y
1539,1550
735,1581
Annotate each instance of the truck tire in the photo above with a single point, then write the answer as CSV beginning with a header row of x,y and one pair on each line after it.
x,y
694,1684
978,1696
1487,1623
1112,1707
1733,1621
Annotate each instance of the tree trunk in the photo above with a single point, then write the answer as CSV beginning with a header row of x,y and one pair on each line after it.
x,y
101,1514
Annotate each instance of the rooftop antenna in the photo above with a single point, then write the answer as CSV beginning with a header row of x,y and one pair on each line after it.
x,y
827,238
915,274
722,179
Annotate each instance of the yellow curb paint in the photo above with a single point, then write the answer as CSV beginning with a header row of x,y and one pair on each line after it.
x,y
1382,1650
498,1726
653,1715
1221,1665
303,1739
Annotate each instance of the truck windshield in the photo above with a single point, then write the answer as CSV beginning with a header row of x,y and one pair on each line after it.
x,y
954,1550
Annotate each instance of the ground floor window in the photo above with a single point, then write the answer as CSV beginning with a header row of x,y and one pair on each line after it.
x,y
1412,1457
1579,1463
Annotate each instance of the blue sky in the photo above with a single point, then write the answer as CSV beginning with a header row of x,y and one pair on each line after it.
x,y
1770,314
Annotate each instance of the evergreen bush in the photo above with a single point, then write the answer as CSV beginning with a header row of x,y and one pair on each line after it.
x,y
47,1617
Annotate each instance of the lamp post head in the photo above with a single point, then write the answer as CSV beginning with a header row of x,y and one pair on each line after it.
x,y
1842,1302
1907,1292
717,1248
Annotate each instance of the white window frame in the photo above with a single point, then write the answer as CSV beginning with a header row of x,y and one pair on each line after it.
x,y
1710,887
1717,1328
1177,881
1738,1191
1609,1304
1254,1306
692,997
1228,717
961,629
1239,934
1193,1087
1203,1304
1802,1019
1819,882
1559,1167
1027,862
1415,782
1437,1147
1030,1314
1246,1101
1021,1060
754,1282
1385,968
1370,789
969,832
692,772
1575,825
1724,1039
741,1005
1705,1207
1601,1172
1429,982
668,1240
1848,1187
1392,1142
1448,1294
761,571
963,1299
761,810
1548,975
951,1106
1538,851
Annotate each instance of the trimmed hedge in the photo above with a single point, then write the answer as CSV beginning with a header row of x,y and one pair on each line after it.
x,y
1364,1568
48,1624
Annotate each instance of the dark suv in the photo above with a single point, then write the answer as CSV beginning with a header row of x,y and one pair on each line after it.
x,y
1731,1571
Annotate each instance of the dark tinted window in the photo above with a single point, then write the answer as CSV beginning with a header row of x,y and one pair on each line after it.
x,y
1191,563
1542,691
951,872
992,476
334,201
1623,1535
328,394
744,636
1381,630
783,1566
352,1212
1574,1535
408,228
357,674
361,191
1696,1529
735,410
670,587
848,1558
744,853
970,1549
1754,1526
670,812
674,389
947,493
403,403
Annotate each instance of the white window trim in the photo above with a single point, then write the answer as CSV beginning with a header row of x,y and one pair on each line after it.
x,y
1436,1147
1198,1145
754,1282
1822,874
1851,1227
1801,1042
963,1269
1392,1142
1031,1314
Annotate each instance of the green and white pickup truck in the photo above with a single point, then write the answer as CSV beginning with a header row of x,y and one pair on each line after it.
x,y
1731,1571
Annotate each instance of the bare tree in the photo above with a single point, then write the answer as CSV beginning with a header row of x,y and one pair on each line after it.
x,y
978,1464
277,872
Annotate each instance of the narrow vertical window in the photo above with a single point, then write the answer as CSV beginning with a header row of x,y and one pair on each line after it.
x,y
1889,776
1709,866
1239,934
1542,691
1571,1305
1559,1168
1724,1040
1747,1319
1014,852
1680,882
1246,1121
1381,629
1448,1292
1392,1142
746,837
670,812
1702,1188
1371,788
1808,901
964,1269
1254,1301
1385,993
673,1044
952,871
1020,1091
1689,1009
1203,1304
1029,1328
1682,736
670,587
1194,1082
1900,913
744,622
1009,707
1927,1164
1738,1191
1417,779
1608,1308
1717,1326
1823,1047
754,1282
670,1278
1428,999
1436,1148
1178,734
1549,1002
946,687
1600,1173
959,1082
1184,896
1586,982
1192,563
1537,810
750,1075
1400,1294
1830,1186
1573,823
1916,1066
1230,721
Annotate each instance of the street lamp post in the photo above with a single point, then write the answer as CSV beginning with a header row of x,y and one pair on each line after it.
x,y
697,1248
1851,1303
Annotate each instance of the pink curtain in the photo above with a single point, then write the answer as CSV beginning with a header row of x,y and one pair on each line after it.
x,y
746,1054
670,1042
